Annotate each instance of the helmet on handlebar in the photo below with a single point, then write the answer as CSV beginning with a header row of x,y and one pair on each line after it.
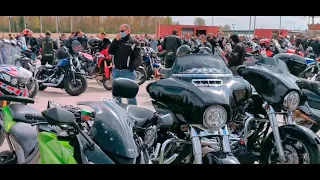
x,y
183,50
93,43
62,54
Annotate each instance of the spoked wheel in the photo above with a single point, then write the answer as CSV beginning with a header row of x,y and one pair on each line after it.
x,y
107,83
296,152
77,87
141,75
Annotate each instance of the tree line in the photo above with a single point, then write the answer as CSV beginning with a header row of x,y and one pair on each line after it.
x,y
89,24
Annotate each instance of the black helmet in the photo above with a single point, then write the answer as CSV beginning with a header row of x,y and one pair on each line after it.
x,y
183,50
93,43
62,54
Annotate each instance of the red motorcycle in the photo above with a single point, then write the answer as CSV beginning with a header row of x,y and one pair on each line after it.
x,y
98,67
292,51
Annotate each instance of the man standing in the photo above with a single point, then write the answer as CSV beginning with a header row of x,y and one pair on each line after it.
x,y
32,44
187,40
105,42
170,45
153,43
48,46
126,53
238,53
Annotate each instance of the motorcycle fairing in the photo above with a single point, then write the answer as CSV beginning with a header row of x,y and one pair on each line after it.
x,y
8,121
272,83
54,151
111,129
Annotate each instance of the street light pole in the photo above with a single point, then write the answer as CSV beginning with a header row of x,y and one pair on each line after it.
x,y
41,24
254,25
71,25
25,22
249,27
212,20
280,26
57,24
9,19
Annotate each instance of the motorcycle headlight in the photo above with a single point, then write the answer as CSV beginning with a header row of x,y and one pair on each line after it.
x,y
214,117
14,81
291,101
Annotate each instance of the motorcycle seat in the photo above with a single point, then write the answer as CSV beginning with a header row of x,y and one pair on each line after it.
x,y
25,59
164,70
313,86
19,111
139,115
26,136
315,115
48,66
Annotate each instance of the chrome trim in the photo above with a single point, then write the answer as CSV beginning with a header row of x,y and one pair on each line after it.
x,y
275,130
206,82
203,75
246,125
196,146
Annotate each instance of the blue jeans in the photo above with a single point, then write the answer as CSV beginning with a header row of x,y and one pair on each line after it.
x,y
34,57
116,73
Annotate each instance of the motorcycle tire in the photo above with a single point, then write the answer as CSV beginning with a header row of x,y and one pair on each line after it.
x,y
35,91
143,76
107,83
268,147
41,86
67,83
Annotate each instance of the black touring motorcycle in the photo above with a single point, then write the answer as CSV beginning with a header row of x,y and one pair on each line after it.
x,y
201,94
65,75
276,94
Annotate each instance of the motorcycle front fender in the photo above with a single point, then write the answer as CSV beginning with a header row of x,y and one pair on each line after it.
x,y
300,132
229,160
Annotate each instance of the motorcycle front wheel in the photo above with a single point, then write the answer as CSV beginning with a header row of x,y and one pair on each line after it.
x,y
75,88
141,75
297,150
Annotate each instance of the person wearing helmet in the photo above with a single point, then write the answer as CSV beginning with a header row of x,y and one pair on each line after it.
x,y
238,53
183,50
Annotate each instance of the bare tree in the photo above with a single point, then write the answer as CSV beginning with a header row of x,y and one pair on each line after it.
x,y
199,21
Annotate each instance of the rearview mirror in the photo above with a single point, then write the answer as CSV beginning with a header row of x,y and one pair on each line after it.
x,y
58,116
166,121
240,69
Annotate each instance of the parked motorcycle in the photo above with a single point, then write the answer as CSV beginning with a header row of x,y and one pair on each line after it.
x,y
78,144
198,92
288,143
151,63
64,75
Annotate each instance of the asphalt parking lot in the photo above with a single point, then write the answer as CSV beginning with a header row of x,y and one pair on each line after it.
x,y
94,92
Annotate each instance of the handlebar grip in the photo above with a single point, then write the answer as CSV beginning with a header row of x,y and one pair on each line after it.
x,y
34,116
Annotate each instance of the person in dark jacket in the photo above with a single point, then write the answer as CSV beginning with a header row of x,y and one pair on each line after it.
x,y
126,53
105,42
32,44
212,40
203,43
238,53
48,45
170,45
316,46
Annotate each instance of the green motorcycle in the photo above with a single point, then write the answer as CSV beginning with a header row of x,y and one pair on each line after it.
x,y
55,137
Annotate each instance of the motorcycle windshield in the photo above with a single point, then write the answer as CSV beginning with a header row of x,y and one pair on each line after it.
x,y
200,64
8,52
111,129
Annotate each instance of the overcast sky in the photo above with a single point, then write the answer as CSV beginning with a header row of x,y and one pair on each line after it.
x,y
242,22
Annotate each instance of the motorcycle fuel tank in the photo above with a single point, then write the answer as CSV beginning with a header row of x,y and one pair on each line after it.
x,y
189,96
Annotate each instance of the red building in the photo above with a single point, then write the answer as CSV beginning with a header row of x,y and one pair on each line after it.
x,y
270,33
184,29
314,27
